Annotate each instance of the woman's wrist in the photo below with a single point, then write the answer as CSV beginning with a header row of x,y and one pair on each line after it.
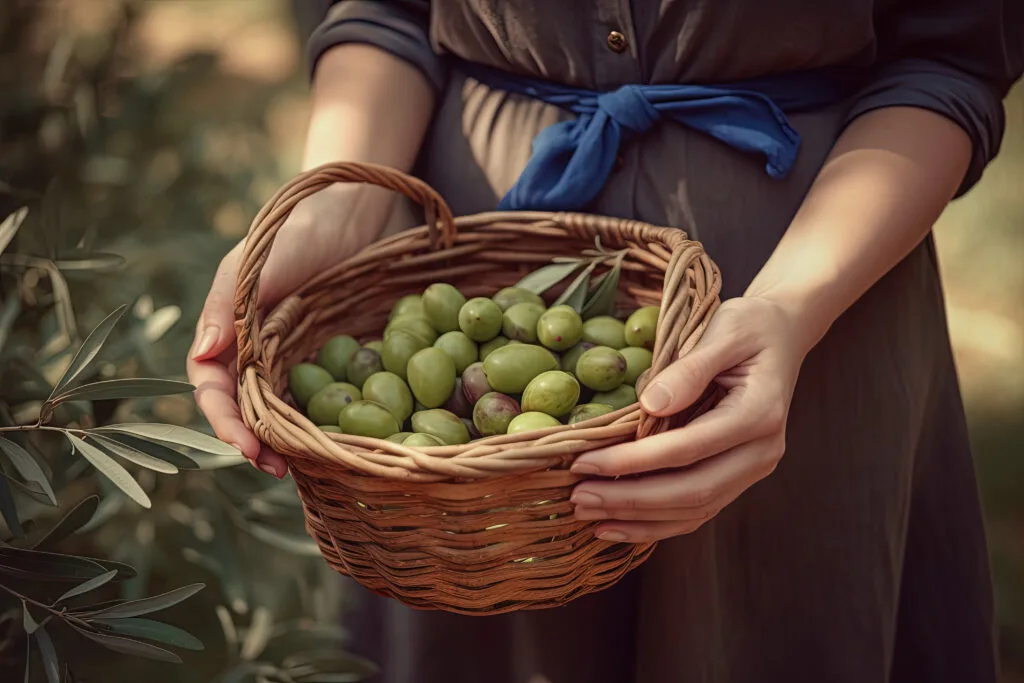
x,y
890,175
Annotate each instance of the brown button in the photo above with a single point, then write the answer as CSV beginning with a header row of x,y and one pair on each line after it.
x,y
616,42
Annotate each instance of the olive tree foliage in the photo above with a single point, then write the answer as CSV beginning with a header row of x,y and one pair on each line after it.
x,y
130,539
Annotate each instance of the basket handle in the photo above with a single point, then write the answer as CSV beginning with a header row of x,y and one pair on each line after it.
x,y
264,228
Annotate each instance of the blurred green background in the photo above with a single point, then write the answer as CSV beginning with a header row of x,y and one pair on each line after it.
x,y
155,130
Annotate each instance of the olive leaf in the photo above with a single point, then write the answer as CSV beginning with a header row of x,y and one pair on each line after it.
x,y
602,300
90,585
90,348
154,448
74,520
8,509
576,293
543,279
109,467
291,543
152,630
123,388
86,260
37,565
9,228
174,434
129,646
134,456
48,654
328,666
135,608
27,467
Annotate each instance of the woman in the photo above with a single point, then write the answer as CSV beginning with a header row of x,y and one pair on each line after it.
x,y
862,557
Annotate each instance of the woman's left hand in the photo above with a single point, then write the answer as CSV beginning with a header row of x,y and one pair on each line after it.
x,y
752,349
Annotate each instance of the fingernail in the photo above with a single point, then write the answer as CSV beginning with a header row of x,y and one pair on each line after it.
x,y
612,536
584,468
269,469
206,342
656,397
590,513
586,499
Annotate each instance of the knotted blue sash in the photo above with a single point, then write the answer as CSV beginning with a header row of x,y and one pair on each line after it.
x,y
572,160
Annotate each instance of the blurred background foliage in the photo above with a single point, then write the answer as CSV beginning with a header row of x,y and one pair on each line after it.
x,y
143,136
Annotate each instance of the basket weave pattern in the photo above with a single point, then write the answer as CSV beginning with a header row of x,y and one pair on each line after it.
x,y
480,528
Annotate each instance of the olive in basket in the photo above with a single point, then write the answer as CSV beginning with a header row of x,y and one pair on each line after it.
x,y
451,369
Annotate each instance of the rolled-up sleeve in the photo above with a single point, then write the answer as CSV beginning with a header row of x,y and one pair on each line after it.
x,y
400,27
957,58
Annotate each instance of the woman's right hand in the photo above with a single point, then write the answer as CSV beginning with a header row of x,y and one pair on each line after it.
x,y
323,230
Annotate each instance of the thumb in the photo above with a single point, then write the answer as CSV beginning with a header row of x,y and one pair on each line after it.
x,y
215,331
679,385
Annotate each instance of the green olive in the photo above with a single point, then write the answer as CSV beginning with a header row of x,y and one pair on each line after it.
x,y
480,319
335,355
441,304
642,326
605,330
510,296
390,391
637,361
460,348
305,379
553,392
560,328
431,376
365,418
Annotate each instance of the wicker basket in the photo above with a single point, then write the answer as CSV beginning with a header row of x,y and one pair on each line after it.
x,y
481,528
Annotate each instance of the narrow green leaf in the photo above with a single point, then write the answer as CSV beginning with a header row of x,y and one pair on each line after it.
x,y
123,388
158,450
575,294
131,455
135,608
9,510
90,348
543,279
181,436
129,646
74,520
329,667
118,475
90,585
602,300
84,260
291,543
27,467
153,630
49,655
41,566
28,622
9,228
205,461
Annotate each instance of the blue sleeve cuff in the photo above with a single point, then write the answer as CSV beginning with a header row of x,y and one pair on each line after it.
x,y
399,27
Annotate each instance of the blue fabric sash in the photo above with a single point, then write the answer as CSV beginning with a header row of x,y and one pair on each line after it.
x,y
572,160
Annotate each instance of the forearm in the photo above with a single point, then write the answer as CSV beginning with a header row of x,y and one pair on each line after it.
x,y
368,106
887,180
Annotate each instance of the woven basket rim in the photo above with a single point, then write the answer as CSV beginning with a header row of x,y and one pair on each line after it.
x,y
282,426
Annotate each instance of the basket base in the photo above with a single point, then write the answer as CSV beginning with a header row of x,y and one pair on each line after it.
x,y
506,576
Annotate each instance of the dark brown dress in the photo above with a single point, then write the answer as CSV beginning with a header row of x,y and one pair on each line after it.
x,y
862,559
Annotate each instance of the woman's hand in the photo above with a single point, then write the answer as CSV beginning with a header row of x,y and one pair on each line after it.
x,y
368,106
752,350
315,236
